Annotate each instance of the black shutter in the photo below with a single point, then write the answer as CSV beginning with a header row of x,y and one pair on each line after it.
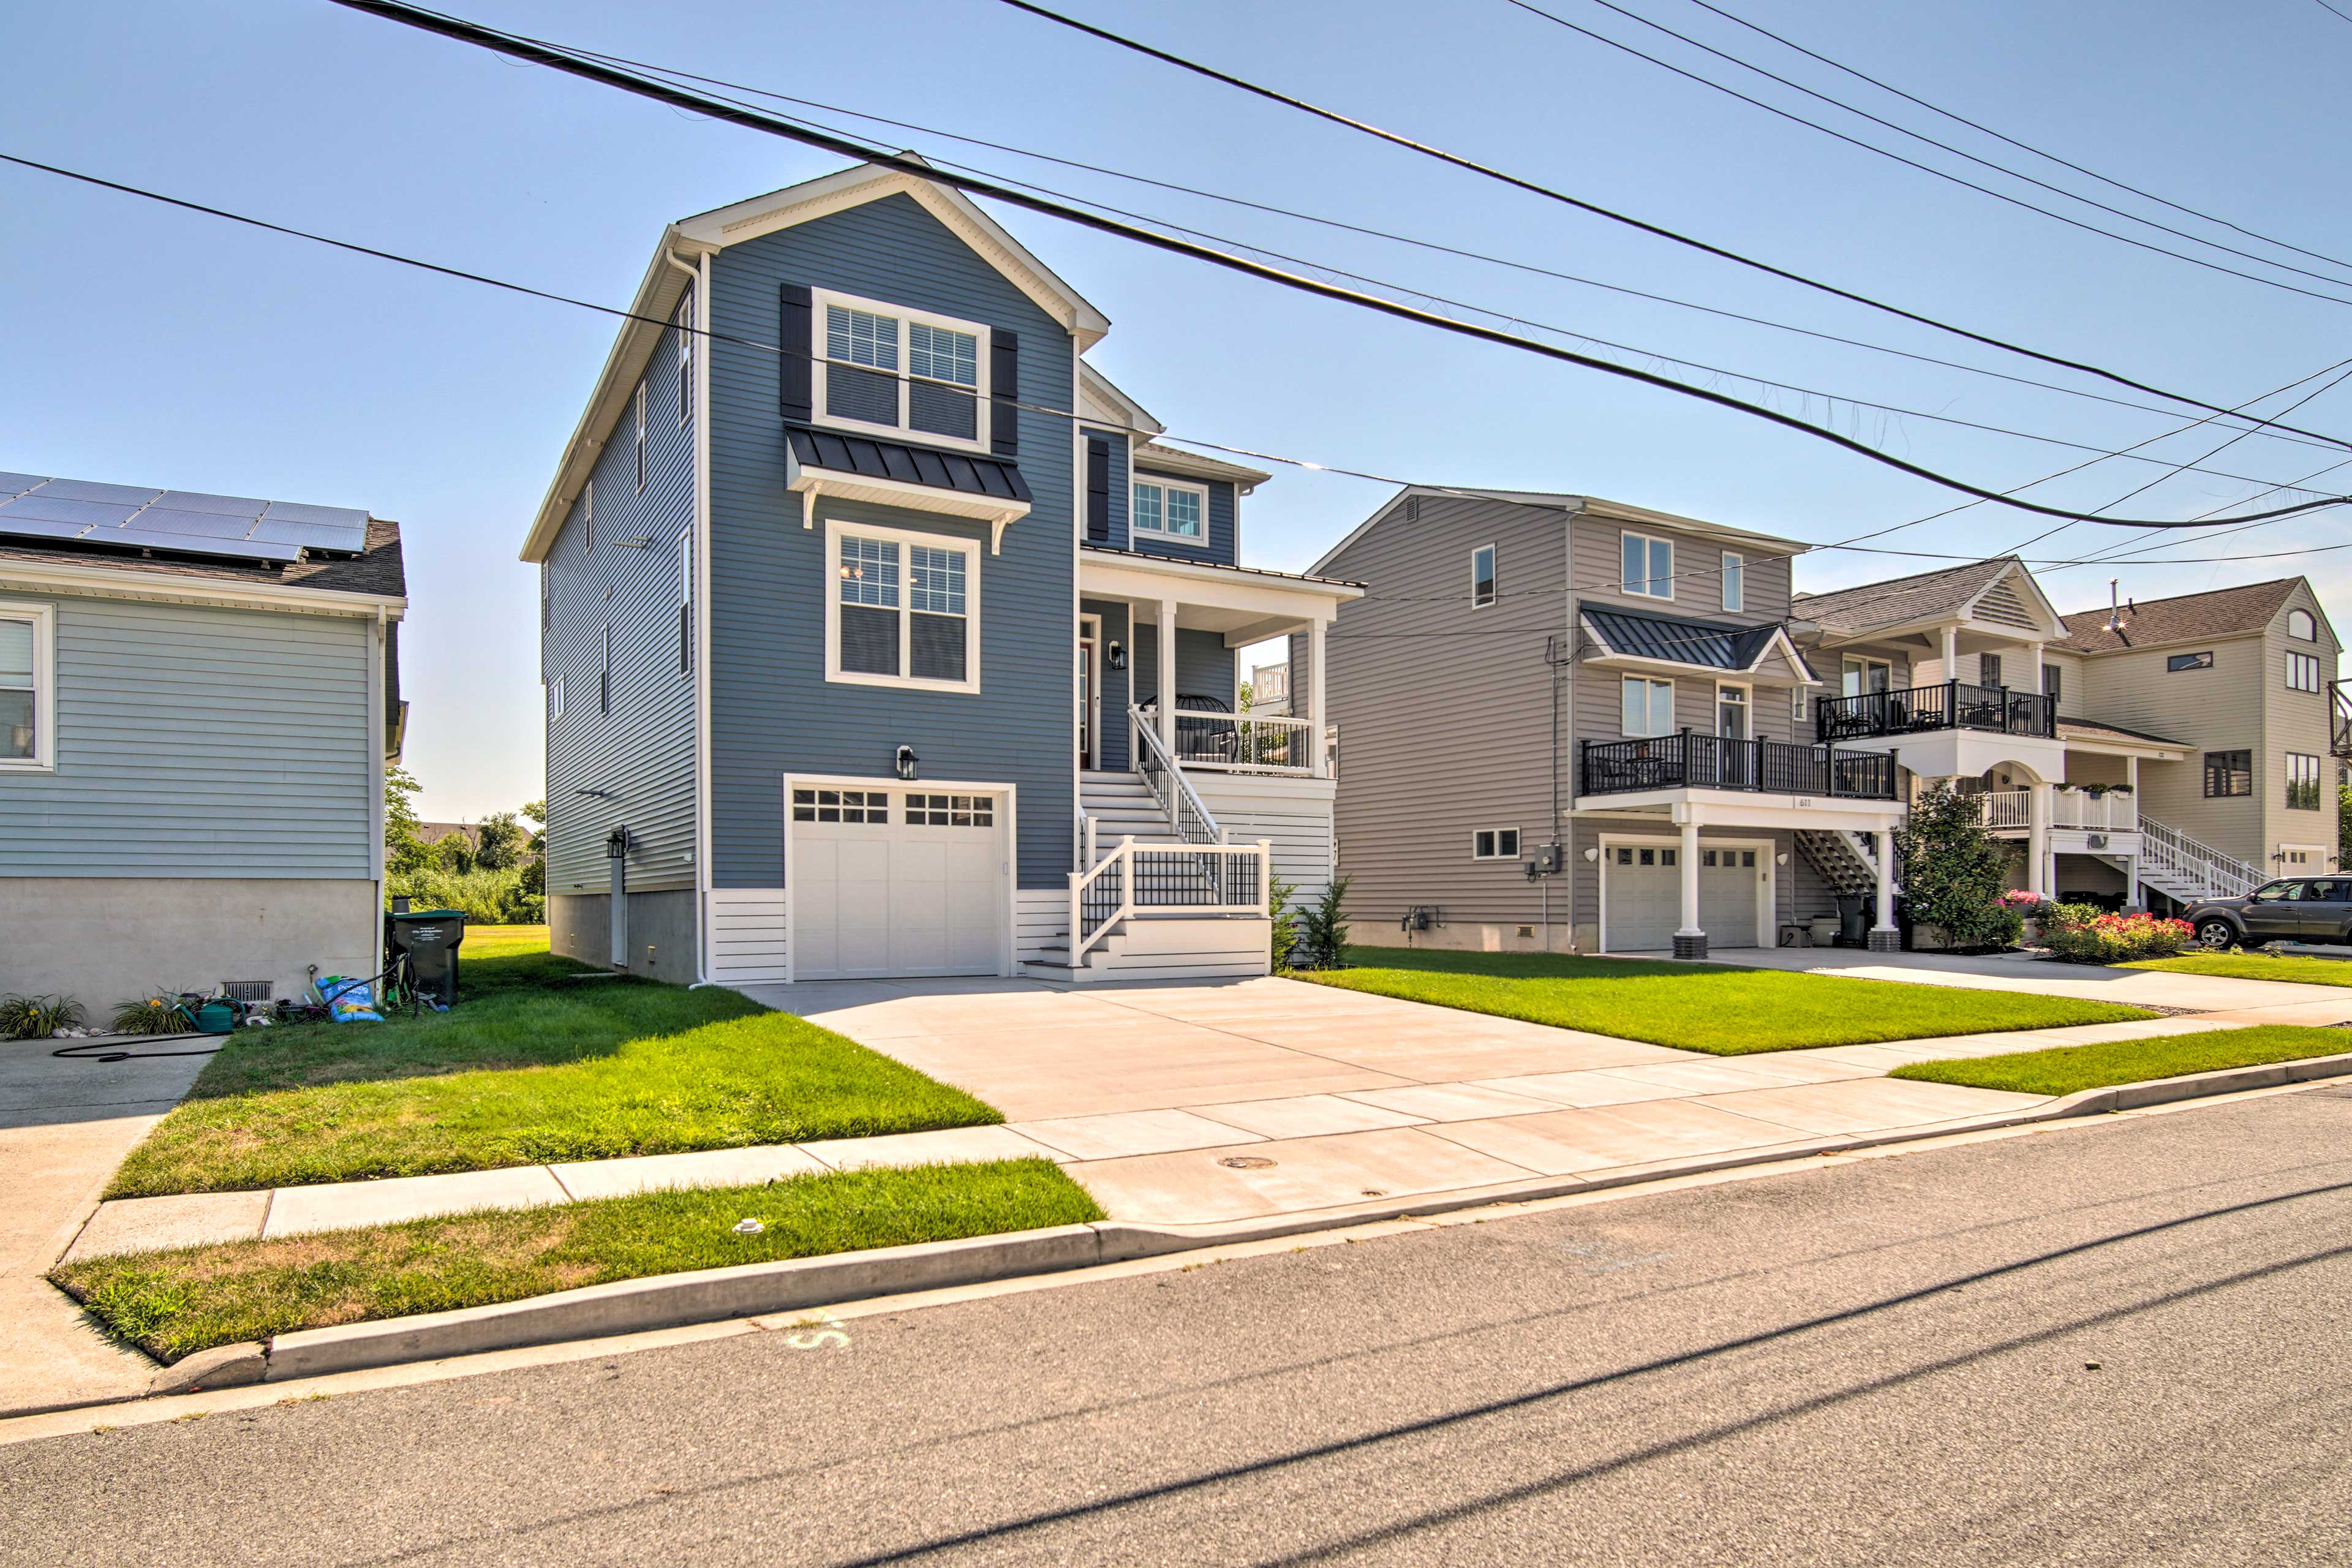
x,y
797,338
685,637
1003,389
1098,490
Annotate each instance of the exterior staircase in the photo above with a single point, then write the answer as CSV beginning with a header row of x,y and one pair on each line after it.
x,y
1843,860
2185,870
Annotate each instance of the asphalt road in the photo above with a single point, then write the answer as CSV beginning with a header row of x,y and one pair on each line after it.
x,y
2119,1344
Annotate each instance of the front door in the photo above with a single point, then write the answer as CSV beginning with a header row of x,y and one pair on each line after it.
x,y
1731,724
1090,696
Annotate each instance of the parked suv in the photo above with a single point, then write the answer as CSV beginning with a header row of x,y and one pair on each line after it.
x,y
2294,909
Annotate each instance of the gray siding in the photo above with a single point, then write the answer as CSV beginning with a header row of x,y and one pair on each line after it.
x,y
642,752
1225,532
773,710
194,741
1699,574
1444,711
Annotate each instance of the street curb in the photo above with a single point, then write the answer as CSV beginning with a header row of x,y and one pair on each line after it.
x,y
758,1290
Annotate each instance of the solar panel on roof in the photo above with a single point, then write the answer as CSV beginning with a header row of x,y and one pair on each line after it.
x,y
83,489
227,506
211,524
318,536
297,511
193,544
56,508
17,484
39,528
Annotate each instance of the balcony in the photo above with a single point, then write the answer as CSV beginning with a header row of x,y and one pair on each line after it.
x,y
1692,761
1927,709
2008,811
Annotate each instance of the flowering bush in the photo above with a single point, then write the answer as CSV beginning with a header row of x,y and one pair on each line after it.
x,y
2111,939
2031,906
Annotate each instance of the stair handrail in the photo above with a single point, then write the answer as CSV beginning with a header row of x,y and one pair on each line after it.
x,y
2224,874
1117,866
1186,812
1105,893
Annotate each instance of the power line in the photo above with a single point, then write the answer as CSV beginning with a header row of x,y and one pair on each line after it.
x,y
1550,194
1929,169
2043,152
490,38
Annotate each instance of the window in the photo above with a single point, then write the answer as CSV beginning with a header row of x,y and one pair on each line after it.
x,y
27,634
902,369
1735,581
2229,772
904,609
1649,566
1729,860
1731,712
588,515
951,811
1797,704
1482,576
555,699
604,675
685,359
686,599
2053,684
2303,672
1649,706
1171,509
641,436
1861,676
1987,669
2180,661
2301,627
2301,782
842,806
1495,844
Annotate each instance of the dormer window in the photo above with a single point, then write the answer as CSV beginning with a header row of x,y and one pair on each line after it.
x,y
1170,508
880,367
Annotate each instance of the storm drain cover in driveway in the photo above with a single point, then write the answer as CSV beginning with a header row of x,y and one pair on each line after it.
x,y
1246,1163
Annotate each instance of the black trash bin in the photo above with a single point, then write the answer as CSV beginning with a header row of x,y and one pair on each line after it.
x,y
431,939
1853,931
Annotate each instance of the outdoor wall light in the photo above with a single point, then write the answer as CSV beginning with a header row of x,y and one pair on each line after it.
x,y
1780,859
1115,656
904,762
1593,854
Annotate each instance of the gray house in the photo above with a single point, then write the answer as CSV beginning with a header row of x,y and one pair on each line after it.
x,y
198,694
882,637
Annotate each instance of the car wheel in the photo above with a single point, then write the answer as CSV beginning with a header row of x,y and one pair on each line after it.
x,y
2216,933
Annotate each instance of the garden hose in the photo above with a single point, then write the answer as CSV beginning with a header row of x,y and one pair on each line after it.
x,y
73,1053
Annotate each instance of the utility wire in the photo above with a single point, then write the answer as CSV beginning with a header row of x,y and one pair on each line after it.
x,y
2043,152
490,38
1435,246
1945,146
1517,182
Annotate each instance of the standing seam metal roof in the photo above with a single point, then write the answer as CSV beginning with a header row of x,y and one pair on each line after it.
x,y
969,472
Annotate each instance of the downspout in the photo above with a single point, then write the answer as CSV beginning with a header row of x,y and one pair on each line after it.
x,y
1567,841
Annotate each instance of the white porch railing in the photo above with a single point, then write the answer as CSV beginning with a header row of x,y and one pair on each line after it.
x,y
1186,813
2011,810
2208,873
1249,742
1166,878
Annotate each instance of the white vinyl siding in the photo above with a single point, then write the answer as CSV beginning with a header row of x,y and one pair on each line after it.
x,y
1649,706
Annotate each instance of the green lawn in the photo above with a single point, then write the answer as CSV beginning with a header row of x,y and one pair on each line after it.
x,y
173,1304
2304,971
2073,1068
1713,1008
541,1060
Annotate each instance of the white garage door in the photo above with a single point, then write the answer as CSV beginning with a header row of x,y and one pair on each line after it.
x,y
1727,880
1644,898
898,882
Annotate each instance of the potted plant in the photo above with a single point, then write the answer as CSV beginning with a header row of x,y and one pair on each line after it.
x,y
2032,909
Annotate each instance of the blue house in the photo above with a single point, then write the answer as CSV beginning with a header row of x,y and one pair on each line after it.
x,y
882,637
198,694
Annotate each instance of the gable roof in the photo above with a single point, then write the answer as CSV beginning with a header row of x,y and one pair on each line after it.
x,y
1942,591
1580,506
2188,617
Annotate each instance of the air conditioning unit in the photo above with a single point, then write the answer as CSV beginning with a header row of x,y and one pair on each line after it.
x,y
2098,840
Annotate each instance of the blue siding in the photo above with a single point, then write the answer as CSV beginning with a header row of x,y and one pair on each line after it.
x,y
642,752
1116,684
194,742
1224,532
773,710
1119,493
1204,665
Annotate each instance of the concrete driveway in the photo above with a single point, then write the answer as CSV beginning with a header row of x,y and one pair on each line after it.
x,y
2133,987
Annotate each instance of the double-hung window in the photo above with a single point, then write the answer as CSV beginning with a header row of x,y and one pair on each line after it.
x,y
2303,672
1649,706
1481,577
1987,669
2301,782
1735,581
1170,508
605,674
26,700
1649,566
903,610
888,367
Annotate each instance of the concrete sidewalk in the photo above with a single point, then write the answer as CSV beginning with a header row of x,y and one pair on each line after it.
x,y
2090,983
63,1127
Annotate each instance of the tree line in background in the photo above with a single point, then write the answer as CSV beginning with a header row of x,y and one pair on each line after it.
x,y
498,877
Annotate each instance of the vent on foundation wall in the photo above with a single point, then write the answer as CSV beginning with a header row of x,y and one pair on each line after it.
x,y
248,990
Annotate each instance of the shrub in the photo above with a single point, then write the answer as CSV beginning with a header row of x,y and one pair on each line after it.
x,y
1279,894
157,1012
38,1017
2113,939
484,897
2030,906
1953,869
1322,941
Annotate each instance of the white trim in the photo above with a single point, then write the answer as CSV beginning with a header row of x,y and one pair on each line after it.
x,y
1648,680
1648,576
640,438
171,587
700,523
1165,483
554,692
1733,562
1192,465
44,760
1767,894
1497,833
1494,575
1107,573
1091,633
1101,403
810,483
902,376
835,529
1747,707
377,646
1008,828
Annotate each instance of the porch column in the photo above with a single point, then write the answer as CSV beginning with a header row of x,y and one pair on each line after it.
x,y
1884,937
2133,898
1168,674
2041,805
1951,653
1318,758
2038,676
1690,940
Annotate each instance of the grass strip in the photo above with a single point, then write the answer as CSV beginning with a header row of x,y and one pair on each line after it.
x,y
2296,968
1714,1009
542,1060
2068,1069
173,1304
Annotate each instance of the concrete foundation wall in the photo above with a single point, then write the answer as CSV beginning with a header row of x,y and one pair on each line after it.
x,y
104,940
661,933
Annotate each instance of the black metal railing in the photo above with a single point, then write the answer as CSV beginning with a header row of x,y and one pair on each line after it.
x,y
1691,761
1953,705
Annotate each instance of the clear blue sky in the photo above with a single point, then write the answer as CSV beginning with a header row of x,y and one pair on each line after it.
x,y
158,347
